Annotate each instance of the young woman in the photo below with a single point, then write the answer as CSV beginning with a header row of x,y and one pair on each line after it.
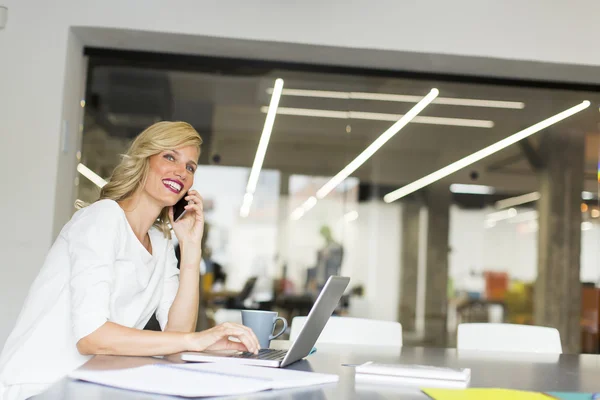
x,y
113,266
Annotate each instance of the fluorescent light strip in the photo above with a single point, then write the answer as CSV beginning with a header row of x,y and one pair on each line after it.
x,y
328,94
531,197
481,154
261,151
351,216
297,214
264,138
373,147
587,195
471,189
91,175
245,210
300,211
371,116
502,215
310,203
518,200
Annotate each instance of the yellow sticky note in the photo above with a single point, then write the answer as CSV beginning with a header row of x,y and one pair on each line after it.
x,y
487,394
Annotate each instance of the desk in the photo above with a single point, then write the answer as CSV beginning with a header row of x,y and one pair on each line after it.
x,y
567,372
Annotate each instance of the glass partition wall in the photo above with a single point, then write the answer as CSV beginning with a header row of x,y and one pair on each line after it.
x,y
340,188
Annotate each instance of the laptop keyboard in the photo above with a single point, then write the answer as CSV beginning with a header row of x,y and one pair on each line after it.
x,y
264,354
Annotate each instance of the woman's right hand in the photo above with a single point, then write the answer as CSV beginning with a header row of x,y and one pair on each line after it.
x,y
217,338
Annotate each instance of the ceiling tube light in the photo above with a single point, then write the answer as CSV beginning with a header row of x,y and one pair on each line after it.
x,y
530,198
91,175
518,200
371,116
309,112
481,154
351,216
245,210
587,195
261,151
330,94
513,105
471,189
473,123
373,147
297,214
502,215
300,211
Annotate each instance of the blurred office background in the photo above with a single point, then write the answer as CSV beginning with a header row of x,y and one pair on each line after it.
x,y
511,238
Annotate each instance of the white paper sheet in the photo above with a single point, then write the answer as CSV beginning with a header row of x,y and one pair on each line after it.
x,y
279,378
415,371
417,383
162,379
203,379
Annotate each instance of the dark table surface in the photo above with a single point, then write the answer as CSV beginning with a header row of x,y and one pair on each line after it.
x,y
525,371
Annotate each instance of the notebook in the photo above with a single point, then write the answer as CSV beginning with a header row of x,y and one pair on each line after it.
x,y
412,375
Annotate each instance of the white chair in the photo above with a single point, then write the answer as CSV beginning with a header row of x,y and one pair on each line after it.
x,y
508,338
358,331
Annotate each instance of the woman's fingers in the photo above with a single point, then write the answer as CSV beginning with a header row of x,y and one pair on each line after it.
x,y
244,337
244,334
197,208
231,345
194,197
250,332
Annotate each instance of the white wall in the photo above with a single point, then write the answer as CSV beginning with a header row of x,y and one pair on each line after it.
x,y
40,74
371,252
244,247
507,247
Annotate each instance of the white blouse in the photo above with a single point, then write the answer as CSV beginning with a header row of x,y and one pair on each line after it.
x,y
96,271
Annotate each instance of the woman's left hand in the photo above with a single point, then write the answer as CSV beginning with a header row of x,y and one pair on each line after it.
x,y
190,228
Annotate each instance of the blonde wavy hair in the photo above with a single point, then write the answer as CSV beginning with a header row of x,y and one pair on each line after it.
x,y
132,172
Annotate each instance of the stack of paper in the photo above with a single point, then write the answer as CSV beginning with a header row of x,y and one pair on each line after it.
x,y
199,380
413,375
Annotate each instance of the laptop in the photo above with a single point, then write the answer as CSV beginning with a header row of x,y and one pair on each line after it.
x,y
315,322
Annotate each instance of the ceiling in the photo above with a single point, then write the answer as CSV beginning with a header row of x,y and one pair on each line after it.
x,y
225,108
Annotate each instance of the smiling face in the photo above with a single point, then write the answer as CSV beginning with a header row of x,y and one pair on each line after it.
x,y
171,174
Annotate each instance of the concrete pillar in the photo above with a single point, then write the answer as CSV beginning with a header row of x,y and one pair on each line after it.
x,y
437,200
557,296
409,259
283,221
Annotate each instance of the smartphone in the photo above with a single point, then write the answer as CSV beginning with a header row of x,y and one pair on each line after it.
x,y
179,208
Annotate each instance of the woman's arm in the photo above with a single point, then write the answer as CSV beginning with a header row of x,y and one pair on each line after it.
x,y
183,313
115,339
